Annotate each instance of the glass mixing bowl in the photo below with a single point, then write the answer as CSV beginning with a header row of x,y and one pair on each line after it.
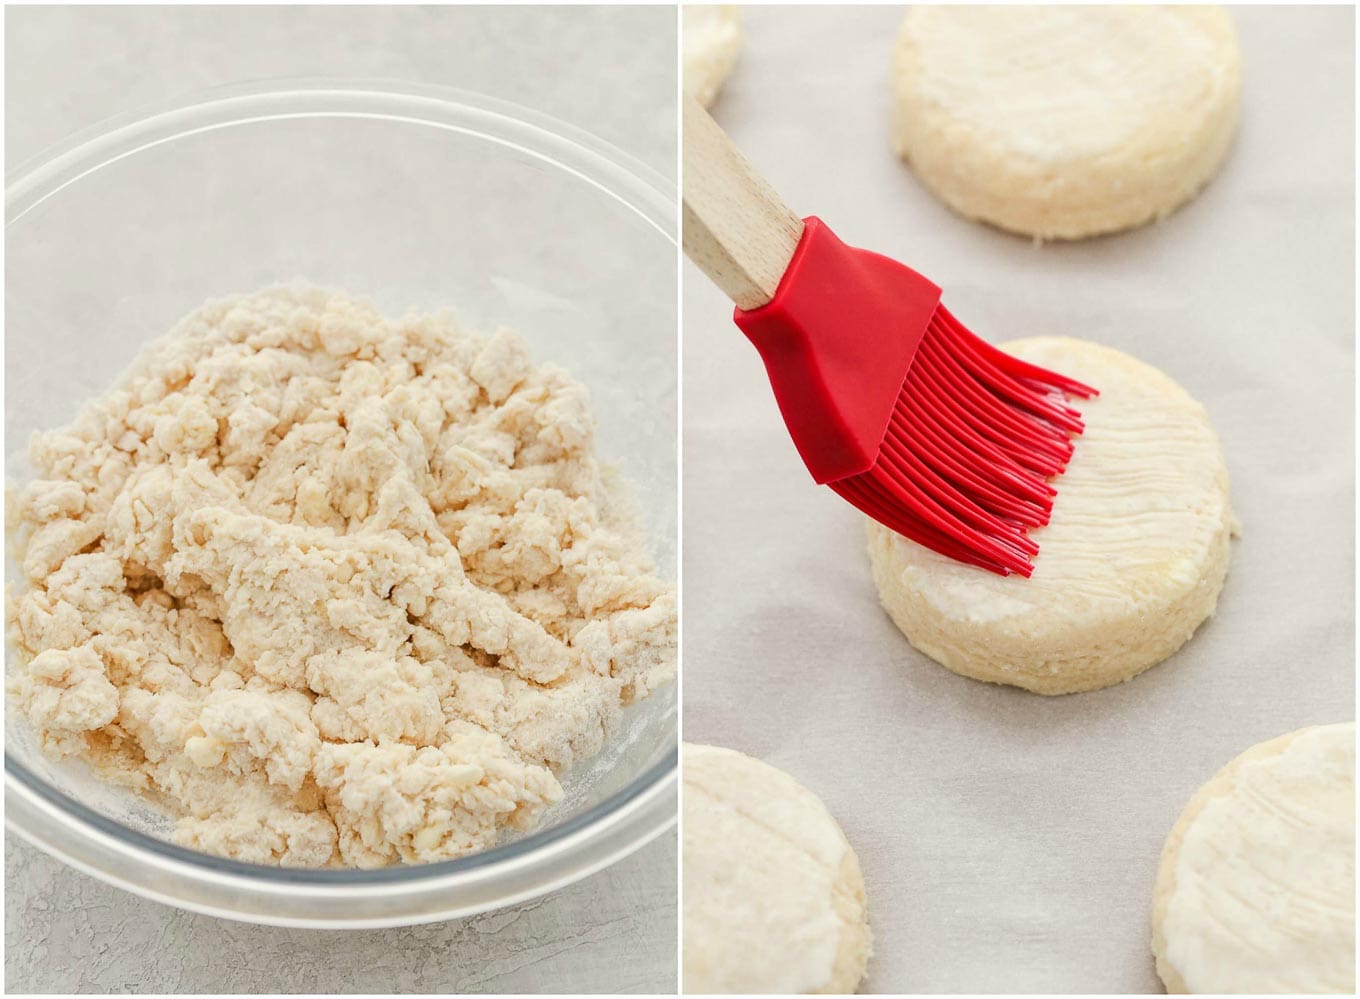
x,y
420,198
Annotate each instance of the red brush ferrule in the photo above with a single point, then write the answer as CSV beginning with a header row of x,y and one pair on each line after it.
x,y
838,339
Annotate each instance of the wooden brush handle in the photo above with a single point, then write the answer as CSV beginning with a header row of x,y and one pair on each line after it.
x,y
736,228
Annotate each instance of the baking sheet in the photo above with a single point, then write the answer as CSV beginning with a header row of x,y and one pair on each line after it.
x,y
1009,841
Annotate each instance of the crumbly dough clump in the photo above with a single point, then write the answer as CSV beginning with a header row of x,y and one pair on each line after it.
x,y
335,589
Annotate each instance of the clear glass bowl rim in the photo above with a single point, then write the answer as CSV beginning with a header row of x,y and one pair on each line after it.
x,y
636,186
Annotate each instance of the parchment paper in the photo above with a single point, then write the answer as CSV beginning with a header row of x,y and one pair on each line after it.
x,y
1009,841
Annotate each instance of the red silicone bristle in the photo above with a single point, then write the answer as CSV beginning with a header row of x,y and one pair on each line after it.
x,y
975,436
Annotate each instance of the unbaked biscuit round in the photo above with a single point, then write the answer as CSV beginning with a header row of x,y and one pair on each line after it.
x,y
1062,122
773,895
1256,888
1130,564
711,41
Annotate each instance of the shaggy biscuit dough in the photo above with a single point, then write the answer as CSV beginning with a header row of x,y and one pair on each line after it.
x,y
773,895
711,42
334,589
1256,889
1130,564
1063,122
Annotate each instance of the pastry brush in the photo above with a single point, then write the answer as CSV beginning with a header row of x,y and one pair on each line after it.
x,y
890,400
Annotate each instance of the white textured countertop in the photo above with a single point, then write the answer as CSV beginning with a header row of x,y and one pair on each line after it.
x,y
65,932
607,70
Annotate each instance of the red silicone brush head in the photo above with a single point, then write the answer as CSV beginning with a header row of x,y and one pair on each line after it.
x,y
972,441
917,422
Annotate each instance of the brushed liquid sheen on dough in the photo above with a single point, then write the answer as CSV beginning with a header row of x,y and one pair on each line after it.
x,y
1065,121
334,589
1257,891
773,897
1129,566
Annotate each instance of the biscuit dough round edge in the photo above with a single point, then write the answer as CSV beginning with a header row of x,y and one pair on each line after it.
x,y
1165,886
1093,197
711,42
908,610
1104,651
854,943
